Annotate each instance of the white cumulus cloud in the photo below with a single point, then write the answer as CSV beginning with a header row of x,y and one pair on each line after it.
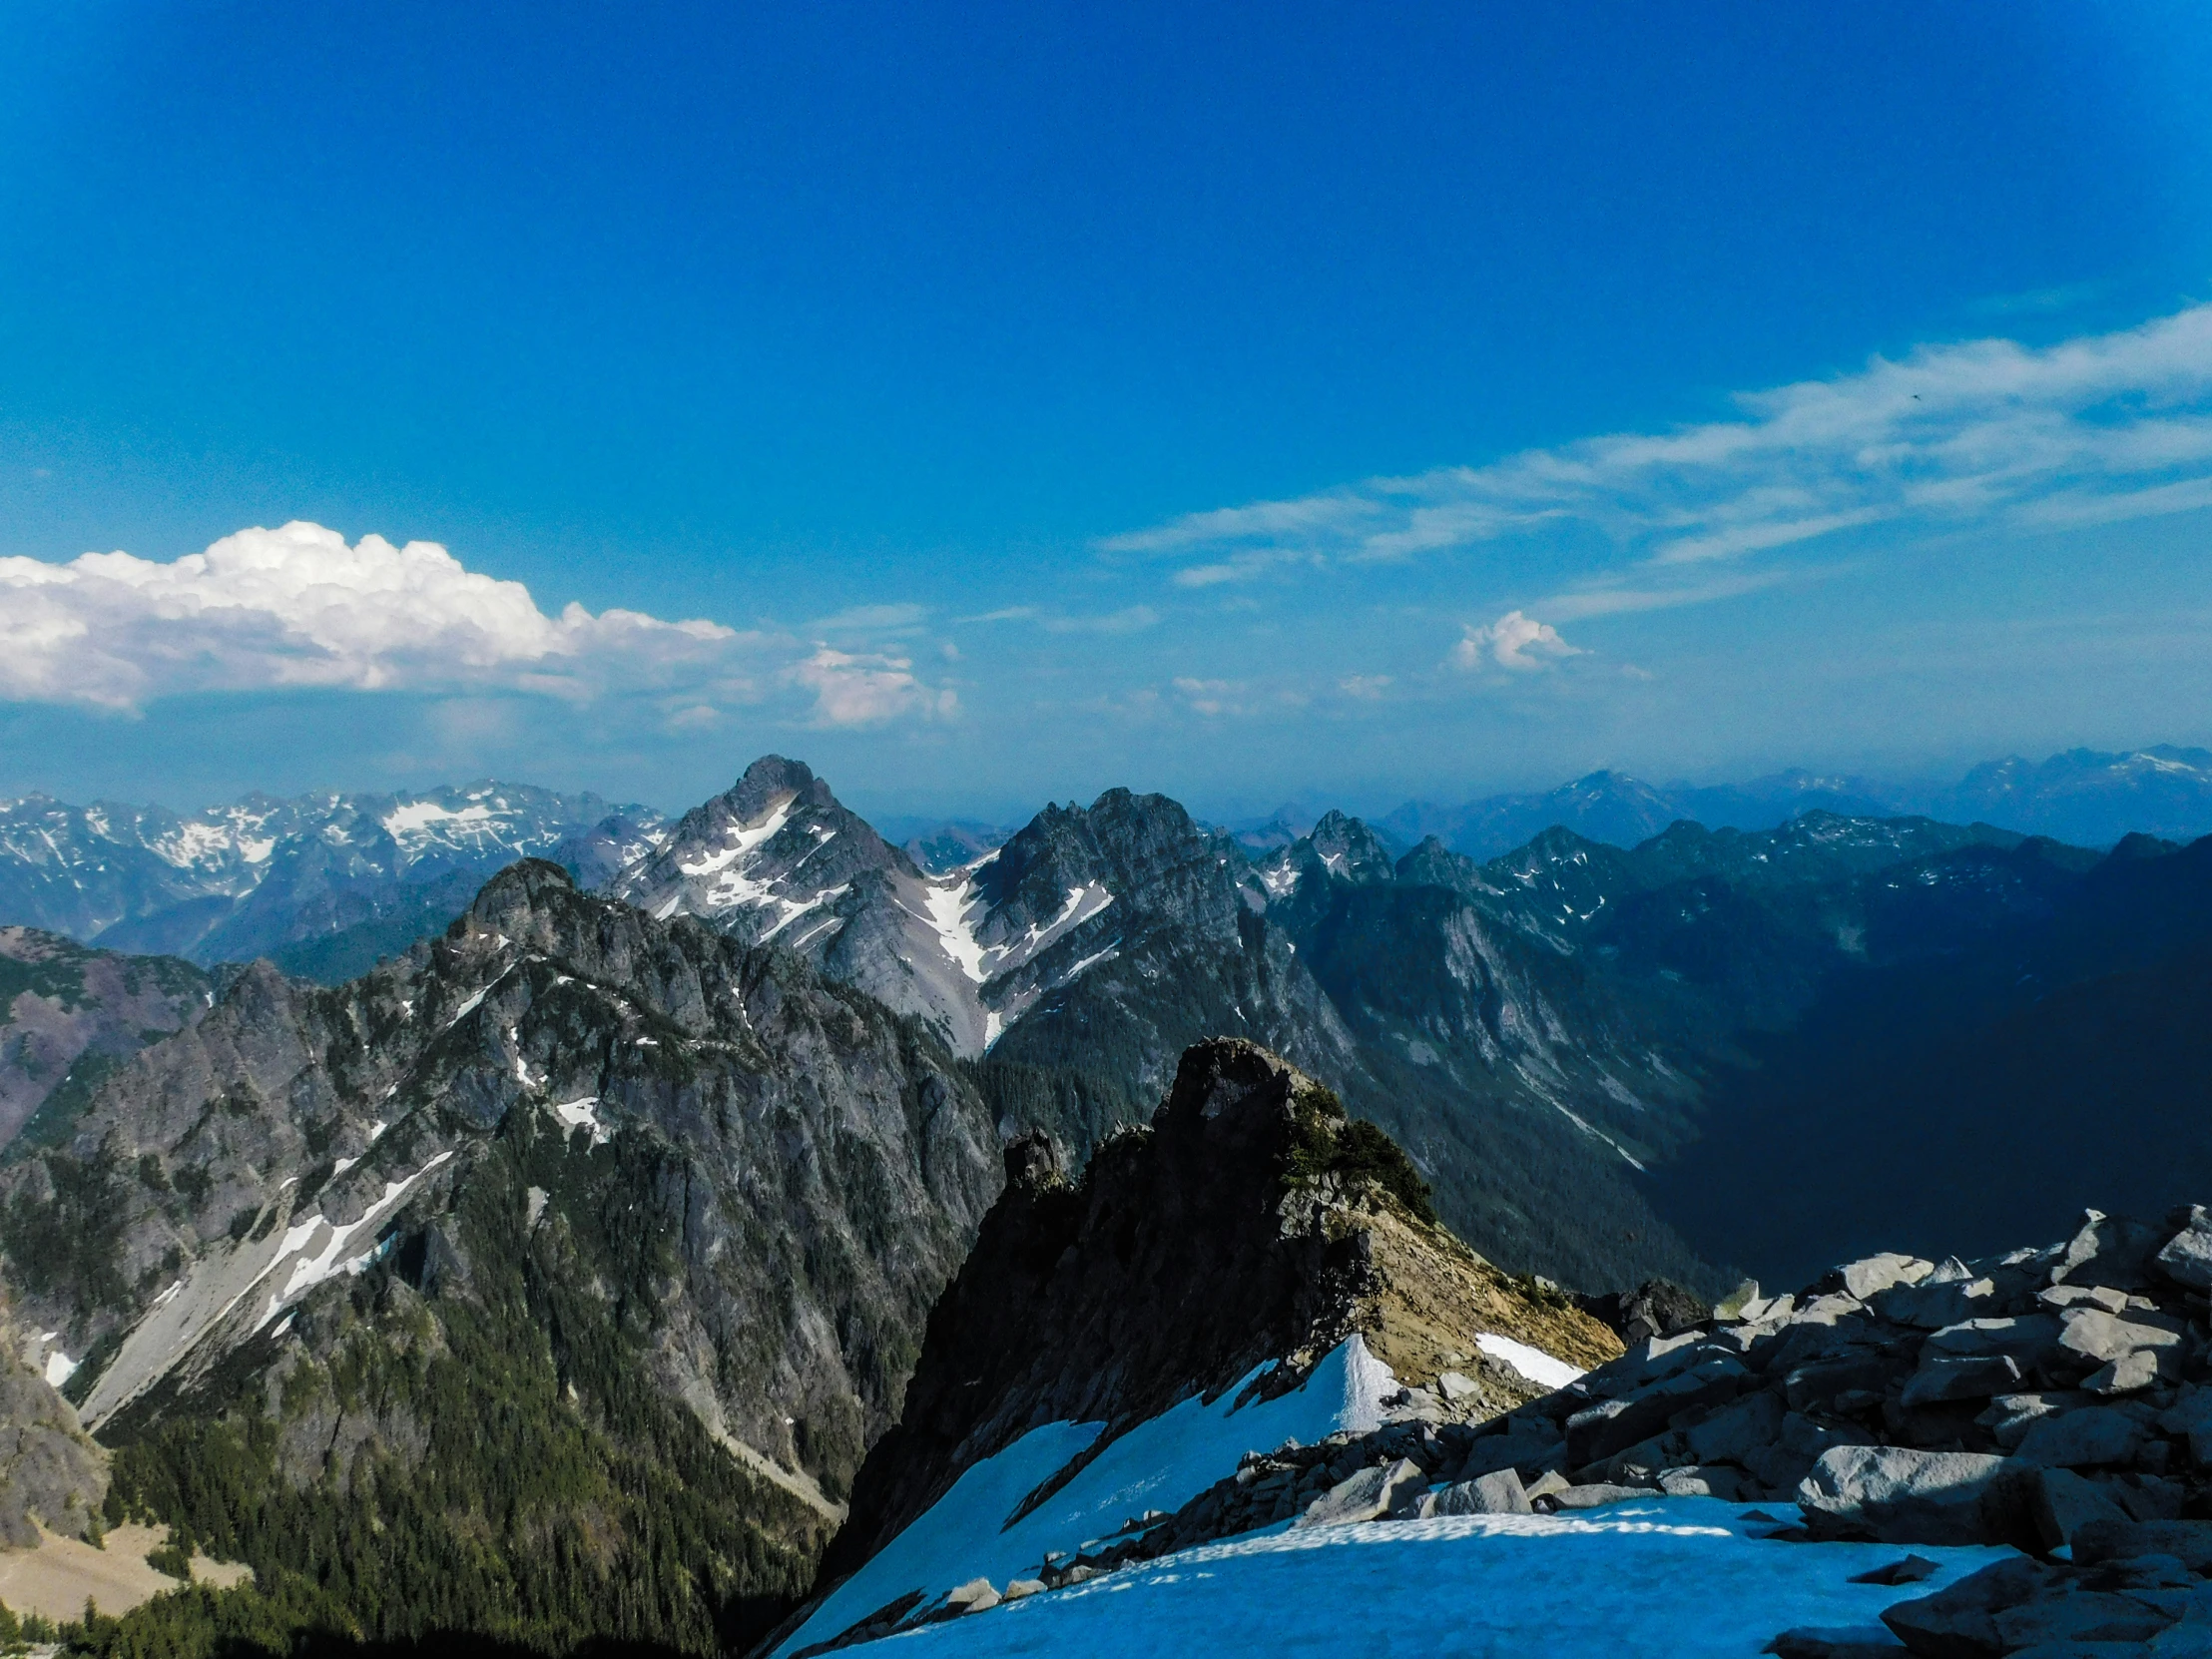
x,y
862,689
1516,642
298,606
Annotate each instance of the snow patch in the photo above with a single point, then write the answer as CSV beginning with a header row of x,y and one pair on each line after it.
x,y
949,907
742,838
332,1255
60,1367
1532,1363
584,1114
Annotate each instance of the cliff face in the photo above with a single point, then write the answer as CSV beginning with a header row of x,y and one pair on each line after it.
x,y
571,1224
1249,1223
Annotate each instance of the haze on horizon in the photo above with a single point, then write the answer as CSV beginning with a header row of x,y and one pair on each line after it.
x,y
1002,403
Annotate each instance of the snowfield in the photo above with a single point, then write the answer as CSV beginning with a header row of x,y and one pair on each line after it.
x,y
1647,1576
1672,1578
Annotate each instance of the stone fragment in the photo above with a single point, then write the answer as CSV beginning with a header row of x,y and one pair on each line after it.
x,y
2079,1617
1019,1588
1491,1494
1733,1432
2061,1297
1912,1569
2025,1338
1900,1496
2190,1416
2128,1375
1797,1445
1458,1387
2099,1337
2011,1417
1552,1483
975,1596
1542,1449
1614,1424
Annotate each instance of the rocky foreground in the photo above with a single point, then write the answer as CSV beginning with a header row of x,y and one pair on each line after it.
x,y
2058,1401
2053,1404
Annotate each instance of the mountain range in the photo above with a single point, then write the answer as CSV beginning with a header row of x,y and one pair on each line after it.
x,y
2083,796
1581,1044
322,885
574,1275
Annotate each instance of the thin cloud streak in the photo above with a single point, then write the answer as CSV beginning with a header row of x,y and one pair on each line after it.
x,y
2092,430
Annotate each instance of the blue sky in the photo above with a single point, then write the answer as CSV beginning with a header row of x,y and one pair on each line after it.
x,y
1345,403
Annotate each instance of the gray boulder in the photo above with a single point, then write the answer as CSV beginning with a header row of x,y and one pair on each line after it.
x,y
1615,1424
1729,1485
1899,1495
1864,1279
2111,1251
2187,1541
2026,1339
2066,1502
1491,1494
1947,1376
2011,1417
1368,1495
2097,1340
2187,1257
1931,1307
1959,1621
1597,1495
2096,1435
2190,1418
1531,1443
1734,1431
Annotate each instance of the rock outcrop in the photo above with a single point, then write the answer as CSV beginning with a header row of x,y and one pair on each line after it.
x,y
1250,1223
51,1472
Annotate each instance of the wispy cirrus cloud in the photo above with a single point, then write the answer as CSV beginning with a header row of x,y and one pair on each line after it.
x,y
298,608
2095,429
1131,619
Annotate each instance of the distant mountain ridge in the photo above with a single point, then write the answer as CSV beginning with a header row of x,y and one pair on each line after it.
x,y
2083,796
265,876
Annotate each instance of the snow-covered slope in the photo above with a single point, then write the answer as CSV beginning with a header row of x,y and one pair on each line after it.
x,y
1158,1465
